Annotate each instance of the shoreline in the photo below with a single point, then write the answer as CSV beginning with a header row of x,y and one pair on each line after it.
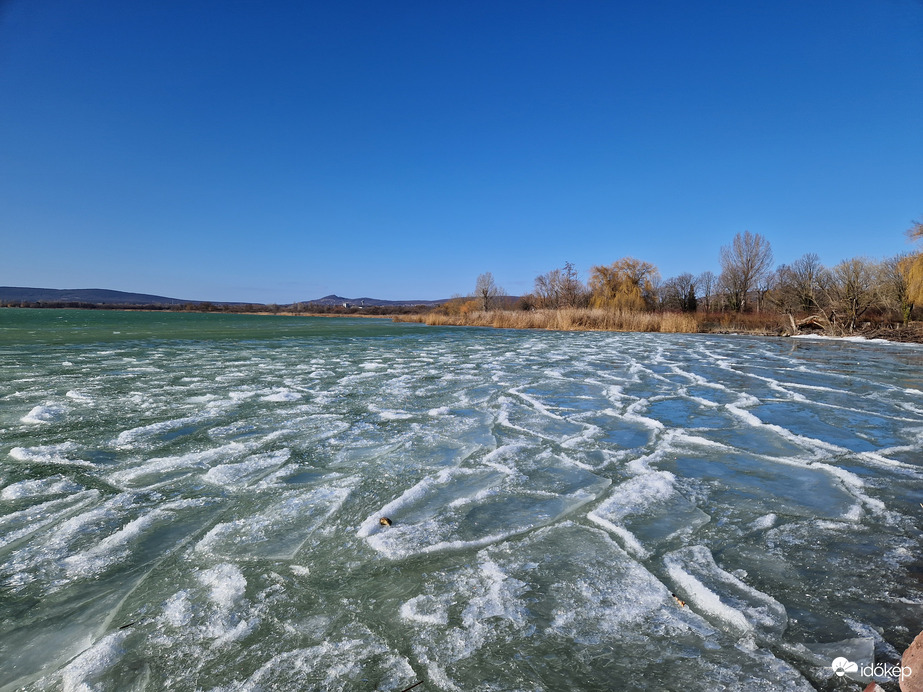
x,y
675,323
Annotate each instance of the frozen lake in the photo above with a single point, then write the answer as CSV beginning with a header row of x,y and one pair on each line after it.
x,y
193,502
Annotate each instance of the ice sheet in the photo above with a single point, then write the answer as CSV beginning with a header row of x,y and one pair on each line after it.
x,y
274,529
464,508
647,511
722,597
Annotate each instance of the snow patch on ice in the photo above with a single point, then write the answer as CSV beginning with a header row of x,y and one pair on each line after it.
x,y
53,485
48,454
44,414
81,674
282,395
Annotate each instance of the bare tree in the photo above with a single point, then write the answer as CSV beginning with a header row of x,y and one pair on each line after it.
x,y
799,284
851,289
785,297
574,293
487,292
764,287
744,264
678,293
707,282
560,288
548,289
728,290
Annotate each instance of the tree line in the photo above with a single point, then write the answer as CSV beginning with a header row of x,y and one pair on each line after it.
x,y
852,294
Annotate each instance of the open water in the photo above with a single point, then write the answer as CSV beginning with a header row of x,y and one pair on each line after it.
x,y
192,502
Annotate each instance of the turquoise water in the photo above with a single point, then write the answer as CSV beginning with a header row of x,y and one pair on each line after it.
x,y
71,327
193,502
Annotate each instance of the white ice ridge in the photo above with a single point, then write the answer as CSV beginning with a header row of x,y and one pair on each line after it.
x,y
84,672
132,437
647,510
851,339
851,482
43,559
49,454
356,661
809,442
670,441
558,430
53,485
722,596
214,612
281,395
44,414
767,521
631,414
116,545
425,609
226,583
534,403
159,468
17,525
248,471
390,414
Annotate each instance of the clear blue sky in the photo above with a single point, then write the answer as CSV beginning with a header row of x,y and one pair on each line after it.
x,y
281,151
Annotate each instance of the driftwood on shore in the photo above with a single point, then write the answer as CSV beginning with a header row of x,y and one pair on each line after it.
x,y
812,323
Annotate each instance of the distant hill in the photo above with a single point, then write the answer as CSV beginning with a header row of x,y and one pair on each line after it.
x,y
95,296
102,296
369,302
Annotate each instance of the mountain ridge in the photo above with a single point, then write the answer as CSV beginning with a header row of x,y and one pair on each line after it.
x,y
96,296
105,296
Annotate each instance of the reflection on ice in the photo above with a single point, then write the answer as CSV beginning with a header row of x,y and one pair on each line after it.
x,y
770,486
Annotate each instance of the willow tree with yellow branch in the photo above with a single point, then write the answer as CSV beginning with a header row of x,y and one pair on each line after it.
x,y
913,267
627,284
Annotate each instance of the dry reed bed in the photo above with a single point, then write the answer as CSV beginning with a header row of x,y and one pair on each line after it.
x,y
575,319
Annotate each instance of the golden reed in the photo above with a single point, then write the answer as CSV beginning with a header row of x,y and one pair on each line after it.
x,y
568,319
